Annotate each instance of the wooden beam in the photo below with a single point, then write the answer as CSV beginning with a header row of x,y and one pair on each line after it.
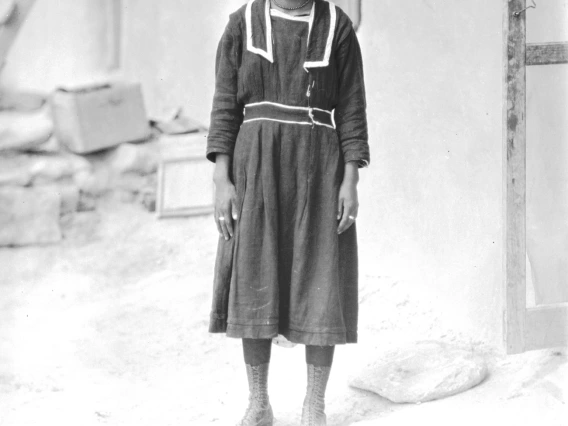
x,y
9,31
547,53
514,156
546,327
114,33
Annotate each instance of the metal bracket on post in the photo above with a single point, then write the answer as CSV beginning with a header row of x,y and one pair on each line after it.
x,y
518,12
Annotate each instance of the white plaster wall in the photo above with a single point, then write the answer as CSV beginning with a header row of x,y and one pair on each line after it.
x,y
170,47
431,200
63,42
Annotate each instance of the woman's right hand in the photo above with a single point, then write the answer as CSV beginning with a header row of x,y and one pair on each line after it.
x,y
225,198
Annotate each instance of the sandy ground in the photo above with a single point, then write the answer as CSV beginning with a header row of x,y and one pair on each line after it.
x,y
110,328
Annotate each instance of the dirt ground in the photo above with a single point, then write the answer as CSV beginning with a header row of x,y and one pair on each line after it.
x,y
110,328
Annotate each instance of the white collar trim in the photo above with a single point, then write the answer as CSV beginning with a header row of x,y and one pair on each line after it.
x,y
268,54
333,20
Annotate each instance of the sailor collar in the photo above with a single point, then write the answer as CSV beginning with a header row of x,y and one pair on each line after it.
x,y
320,36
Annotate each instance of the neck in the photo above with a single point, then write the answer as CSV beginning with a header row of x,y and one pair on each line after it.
x,y
291,4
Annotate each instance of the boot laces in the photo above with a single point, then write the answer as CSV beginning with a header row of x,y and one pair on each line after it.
x,y
258,399
315,403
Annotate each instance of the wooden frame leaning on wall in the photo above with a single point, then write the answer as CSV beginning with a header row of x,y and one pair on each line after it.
x,y
543,326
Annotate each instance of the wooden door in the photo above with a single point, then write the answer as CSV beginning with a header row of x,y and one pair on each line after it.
x,y
545,324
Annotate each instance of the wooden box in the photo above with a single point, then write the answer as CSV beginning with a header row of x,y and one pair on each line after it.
x,y
185,176
93,118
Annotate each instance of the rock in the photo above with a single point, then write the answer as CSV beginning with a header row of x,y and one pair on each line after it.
x,y
148,201
420,372
23,131
51,146
14,170
14,177
29,216
87,202
492,409
147,197
17,100
69,194
131,182
77,163
40,169
52,168
82,227
141,158
94,183
123,196
23,169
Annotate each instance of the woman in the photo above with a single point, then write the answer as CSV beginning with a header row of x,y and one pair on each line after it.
x,y
288,135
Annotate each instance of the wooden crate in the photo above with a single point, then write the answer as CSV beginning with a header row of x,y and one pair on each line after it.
x,y
92,119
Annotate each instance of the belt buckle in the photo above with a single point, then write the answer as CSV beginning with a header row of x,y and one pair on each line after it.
x,y
311,114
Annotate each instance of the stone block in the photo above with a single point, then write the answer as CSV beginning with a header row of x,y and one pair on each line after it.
x,y
52,168
23,131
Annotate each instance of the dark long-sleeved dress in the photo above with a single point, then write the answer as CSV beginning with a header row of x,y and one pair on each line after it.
x,y
289,108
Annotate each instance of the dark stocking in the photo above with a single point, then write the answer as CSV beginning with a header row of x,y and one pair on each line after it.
x,y
320,356
257,351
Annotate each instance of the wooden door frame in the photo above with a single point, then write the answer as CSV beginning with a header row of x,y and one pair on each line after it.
x,y
544,326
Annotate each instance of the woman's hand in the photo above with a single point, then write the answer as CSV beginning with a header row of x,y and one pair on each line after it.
x,y
348,202
225,197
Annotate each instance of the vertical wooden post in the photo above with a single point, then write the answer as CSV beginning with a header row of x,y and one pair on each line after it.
x,y
114,33
515,175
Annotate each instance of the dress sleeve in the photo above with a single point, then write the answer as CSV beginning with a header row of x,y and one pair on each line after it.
x,y
350,111
227,112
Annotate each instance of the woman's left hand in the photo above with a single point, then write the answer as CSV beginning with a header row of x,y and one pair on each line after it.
x,y
348,202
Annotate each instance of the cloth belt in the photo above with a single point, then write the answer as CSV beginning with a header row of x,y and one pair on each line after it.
x,y
288,114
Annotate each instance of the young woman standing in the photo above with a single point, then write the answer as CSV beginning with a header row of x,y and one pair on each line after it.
x,y
288,135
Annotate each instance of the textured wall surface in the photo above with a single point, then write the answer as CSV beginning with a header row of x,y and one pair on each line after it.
x,y
431,200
